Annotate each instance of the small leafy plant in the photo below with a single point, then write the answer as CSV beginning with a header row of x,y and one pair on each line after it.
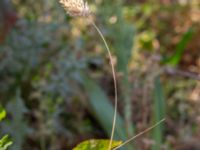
x,y
4,141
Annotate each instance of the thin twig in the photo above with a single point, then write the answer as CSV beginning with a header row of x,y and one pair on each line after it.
x,y
187,74
141,133
115,85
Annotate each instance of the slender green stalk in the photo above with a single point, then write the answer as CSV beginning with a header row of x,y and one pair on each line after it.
x,y
115,85
139,134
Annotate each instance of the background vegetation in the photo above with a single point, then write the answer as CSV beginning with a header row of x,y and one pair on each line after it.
x,y
56,82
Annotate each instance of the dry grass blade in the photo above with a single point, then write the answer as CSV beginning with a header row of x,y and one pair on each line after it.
x,y
141,133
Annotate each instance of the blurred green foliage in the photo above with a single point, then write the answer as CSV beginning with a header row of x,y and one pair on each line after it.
x,y
2,113
5,143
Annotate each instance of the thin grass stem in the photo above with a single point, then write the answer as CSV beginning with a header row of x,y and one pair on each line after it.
x,y
139,134
115,85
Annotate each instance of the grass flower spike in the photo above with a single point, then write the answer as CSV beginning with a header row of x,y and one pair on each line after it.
x,y
79,8
76,8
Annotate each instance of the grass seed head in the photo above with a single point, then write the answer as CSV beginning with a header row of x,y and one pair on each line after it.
x,y
76,8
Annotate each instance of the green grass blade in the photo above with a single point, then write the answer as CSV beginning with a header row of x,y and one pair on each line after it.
x,y
180,48
159,113
102,108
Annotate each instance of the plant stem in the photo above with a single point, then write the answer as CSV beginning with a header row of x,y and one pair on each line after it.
x,y
115,85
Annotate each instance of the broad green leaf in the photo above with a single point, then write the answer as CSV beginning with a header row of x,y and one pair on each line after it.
x,y
2,113
96,145
5,142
